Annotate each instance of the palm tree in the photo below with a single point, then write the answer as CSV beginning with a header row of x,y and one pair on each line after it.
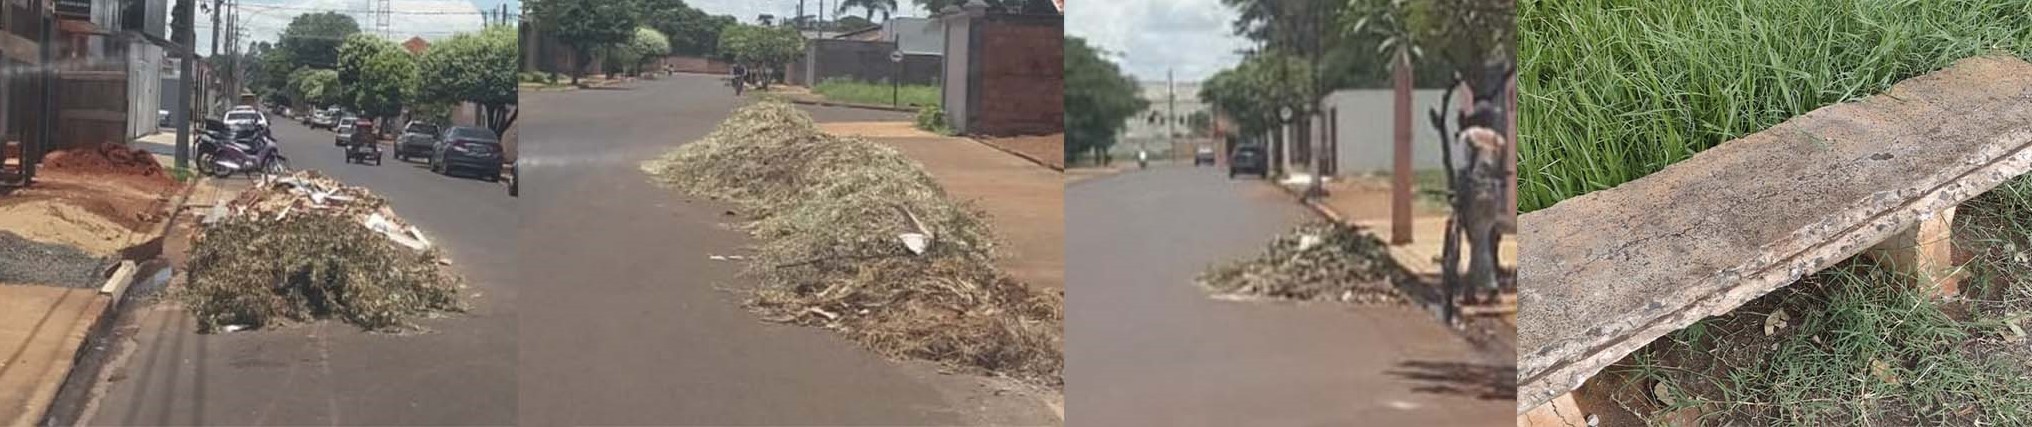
x,y
870,7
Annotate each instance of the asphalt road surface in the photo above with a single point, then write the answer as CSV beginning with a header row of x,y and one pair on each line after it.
x,y
635,325
1146,346
461,372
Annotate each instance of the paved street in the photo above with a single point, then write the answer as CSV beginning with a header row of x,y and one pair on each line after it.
x,y
635,324
1146,346
462,372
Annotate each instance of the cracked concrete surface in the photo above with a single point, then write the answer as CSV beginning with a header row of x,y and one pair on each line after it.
x,y
1605,273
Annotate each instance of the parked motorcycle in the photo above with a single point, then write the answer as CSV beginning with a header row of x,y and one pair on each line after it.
x,y
248,150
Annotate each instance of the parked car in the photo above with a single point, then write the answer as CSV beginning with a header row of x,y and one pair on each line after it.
x,y
1248,160
418,140
345,129
467,147
162,118
323,120
250,117
1204,155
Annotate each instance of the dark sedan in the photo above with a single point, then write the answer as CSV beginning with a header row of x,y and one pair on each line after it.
x,y
475,149
1248,160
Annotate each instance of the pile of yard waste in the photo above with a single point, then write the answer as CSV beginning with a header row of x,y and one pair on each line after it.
x,y
304,247
1315,261
857,238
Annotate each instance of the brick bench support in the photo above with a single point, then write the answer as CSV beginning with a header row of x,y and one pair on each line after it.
x,y
1603,274
1925,251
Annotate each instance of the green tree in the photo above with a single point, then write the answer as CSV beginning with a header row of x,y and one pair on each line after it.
x,y
765,48
377,77
1254,92
870,7
473,67
317,86
1099,99
851,23
586,26
313,39
647,46
689,30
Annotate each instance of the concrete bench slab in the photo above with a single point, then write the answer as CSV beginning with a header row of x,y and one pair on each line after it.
x,y
1606,273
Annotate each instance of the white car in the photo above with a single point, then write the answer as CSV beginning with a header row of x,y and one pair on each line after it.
x,y
246,116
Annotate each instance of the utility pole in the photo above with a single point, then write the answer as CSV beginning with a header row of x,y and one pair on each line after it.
x,y
187,78
217,5
1314,97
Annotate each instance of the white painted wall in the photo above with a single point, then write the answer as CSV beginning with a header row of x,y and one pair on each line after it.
x,y
957,35
1366,129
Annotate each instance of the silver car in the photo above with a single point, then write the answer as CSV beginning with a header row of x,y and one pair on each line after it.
x,y
345,129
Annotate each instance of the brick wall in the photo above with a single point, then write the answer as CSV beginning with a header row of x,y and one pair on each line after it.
x,y
541,52
1019,75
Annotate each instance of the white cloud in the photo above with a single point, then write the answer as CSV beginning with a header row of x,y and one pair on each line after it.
x,y
1194,38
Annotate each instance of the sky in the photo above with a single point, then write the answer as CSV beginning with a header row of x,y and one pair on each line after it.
x,y
1192,37
264,20
747,10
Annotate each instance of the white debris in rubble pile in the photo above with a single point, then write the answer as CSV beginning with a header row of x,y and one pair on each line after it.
x,y
858,238
1317,261
306,247
311,193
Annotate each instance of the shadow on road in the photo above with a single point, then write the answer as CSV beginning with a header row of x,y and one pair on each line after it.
x,y
1486,382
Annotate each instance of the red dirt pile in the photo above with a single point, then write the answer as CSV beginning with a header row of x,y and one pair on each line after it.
x,y
137,165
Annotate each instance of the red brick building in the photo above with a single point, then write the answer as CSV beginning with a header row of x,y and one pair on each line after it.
x,y
1004,71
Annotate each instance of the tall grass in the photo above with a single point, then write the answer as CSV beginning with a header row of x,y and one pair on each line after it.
x,y
1615,90
1867,345
879,93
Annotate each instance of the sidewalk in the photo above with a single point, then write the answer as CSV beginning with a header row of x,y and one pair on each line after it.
x,y
41,329
85,215
1024,201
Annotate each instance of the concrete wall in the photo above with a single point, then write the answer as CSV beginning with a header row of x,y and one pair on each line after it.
x,y
144,88
1364,118
959,55
866,61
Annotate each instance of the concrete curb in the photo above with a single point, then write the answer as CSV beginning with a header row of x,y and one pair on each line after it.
x,y
1039,162
795,100
1320,209
115,289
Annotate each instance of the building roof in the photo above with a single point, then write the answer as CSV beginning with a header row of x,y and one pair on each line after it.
x,y
416,45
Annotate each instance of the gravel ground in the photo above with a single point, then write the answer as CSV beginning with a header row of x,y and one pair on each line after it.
x,y
30,262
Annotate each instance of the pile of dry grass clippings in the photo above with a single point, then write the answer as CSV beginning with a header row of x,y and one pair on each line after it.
x,y
1316,261
828,212
306,247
